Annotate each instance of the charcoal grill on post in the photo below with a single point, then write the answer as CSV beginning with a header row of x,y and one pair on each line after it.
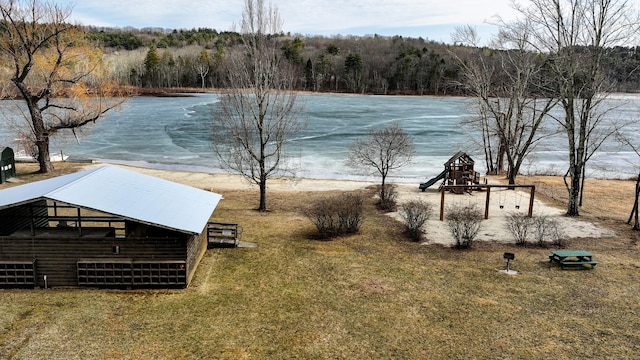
x,y
509,257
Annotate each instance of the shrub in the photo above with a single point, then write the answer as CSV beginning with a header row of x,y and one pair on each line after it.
x,y
337,215
464,223
388,196
414,214
321,213
519,226
540,229
350,213
548,231
556,233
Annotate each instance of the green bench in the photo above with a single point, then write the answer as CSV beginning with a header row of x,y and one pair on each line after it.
x,y
572,258
564,263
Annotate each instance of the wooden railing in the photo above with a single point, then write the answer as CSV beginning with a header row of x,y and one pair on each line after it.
x,y
222,234
114,272
17,273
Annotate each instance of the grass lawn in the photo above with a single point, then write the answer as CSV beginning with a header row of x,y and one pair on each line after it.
x,y
371,295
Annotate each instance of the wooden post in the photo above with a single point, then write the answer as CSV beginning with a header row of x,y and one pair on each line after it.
x,y
32,223
486,203
79,223
533,194
442,203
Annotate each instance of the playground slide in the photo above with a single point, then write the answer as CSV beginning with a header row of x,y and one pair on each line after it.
x,y
441,176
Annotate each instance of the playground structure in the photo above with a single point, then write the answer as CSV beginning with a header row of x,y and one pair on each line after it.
x,y
462,188
458,170
459,177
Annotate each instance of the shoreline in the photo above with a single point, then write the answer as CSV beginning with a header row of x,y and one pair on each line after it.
x,y
338,177
494,229
212,170
503,203
129,91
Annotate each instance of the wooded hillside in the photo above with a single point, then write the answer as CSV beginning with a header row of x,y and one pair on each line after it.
x,y
196,58
353,64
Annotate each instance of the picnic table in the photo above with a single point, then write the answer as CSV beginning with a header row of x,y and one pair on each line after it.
x,y
572,258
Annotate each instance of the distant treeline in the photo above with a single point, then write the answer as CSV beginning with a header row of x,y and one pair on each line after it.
x,y
161,58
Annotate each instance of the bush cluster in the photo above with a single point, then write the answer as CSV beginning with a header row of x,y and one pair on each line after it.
x,y
337,215
545,231
519,225
415,214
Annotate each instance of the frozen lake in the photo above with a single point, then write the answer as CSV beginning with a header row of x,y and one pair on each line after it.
x,y
174,133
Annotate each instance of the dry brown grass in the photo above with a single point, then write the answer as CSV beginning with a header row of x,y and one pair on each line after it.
x,y
371,295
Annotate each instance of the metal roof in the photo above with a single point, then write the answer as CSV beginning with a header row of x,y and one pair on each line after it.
x,y
123,193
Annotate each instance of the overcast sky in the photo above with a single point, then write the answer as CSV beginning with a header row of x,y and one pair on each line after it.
x,y
429,19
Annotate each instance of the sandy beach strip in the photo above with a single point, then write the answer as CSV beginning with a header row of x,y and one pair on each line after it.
x,y
503,202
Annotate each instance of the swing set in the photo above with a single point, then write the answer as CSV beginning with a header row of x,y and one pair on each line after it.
x,y
462,188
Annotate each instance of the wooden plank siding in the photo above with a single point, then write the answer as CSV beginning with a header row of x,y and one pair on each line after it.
x,y
57,257
196,247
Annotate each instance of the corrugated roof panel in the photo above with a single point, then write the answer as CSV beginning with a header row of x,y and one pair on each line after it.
x,y
28,192
133,196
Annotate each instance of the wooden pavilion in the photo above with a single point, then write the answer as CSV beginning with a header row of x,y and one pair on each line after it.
x,y
104,227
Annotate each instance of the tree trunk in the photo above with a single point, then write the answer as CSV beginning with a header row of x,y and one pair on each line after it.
x,y
573,207
634,212
584,176
263,176
263,195
636,223
513,168
502,149
44,157
383,194
511,176
42,138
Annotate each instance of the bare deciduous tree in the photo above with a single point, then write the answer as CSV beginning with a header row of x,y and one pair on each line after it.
x,y
60,79
258,112
575,35
506,83
202,66
383,151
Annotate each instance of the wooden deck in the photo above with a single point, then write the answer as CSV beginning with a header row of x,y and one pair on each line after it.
x,y
223,234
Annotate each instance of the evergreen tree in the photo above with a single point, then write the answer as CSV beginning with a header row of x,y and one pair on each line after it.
x,y
151,67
